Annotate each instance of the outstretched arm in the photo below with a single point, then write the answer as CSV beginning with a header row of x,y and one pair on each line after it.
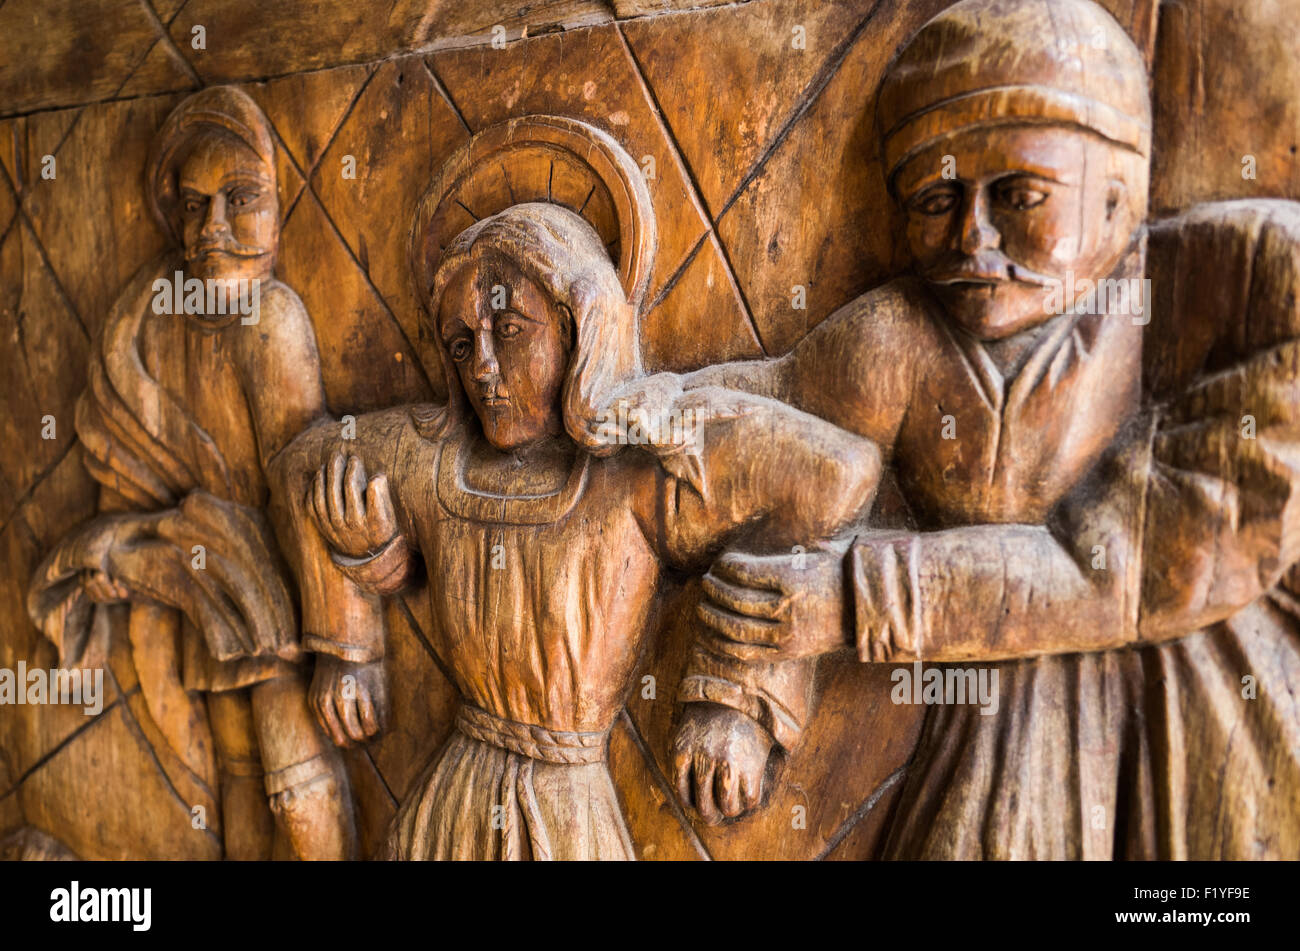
x,y
1191,516
758,475
341,586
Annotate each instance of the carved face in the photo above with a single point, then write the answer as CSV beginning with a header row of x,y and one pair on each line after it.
x,y
509,343
230,212
1020,207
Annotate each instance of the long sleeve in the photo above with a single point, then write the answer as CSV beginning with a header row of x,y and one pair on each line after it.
x,y
340,616
1191,517
810,482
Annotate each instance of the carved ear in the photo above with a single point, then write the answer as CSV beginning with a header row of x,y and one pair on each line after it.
x,y
1116,196
569,327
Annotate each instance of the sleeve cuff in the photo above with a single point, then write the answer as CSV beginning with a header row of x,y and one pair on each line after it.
x,y
352,653
782,727
382,573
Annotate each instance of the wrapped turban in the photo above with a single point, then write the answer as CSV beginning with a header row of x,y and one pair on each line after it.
x,y
217,108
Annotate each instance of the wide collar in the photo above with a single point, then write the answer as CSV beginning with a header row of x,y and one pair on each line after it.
x,y
456,496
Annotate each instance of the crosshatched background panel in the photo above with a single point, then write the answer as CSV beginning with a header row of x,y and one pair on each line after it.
x,y
765,178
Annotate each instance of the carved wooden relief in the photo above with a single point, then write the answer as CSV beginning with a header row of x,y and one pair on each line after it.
x,y
652,431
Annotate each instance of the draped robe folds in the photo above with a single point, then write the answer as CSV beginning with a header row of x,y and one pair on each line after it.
x,y
1094,752
1177,735
541,603
177,462
967,445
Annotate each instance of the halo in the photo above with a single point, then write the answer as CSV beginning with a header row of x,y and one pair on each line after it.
x,y
543,158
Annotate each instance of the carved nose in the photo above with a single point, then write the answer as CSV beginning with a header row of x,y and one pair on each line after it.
x,y
977,232
486,369
215,221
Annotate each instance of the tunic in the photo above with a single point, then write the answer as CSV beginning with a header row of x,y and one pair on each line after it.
x,y
542,601
1097,444
1187,744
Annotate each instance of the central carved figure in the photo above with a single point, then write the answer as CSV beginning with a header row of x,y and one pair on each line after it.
x,y
544,544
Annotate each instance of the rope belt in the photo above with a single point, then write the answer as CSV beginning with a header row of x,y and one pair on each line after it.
x,y
535,742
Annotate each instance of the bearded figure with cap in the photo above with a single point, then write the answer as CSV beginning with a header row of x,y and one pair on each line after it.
x,y
186,407
1060,388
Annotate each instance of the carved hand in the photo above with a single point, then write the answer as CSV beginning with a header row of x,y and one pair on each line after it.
x,y
101,588
768,608
350,700
355,519
719,758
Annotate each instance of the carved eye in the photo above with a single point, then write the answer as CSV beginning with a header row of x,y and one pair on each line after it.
x,y
508,328
934,203
242,197
1020,196
460,350
192,205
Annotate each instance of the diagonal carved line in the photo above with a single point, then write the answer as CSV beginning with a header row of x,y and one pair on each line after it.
x,y
306,176
293,160
138,732
172,18
696,196
13,223
21,211
19,153
677,274
54,276
172,49
445,93
343,120
383,780
153,18
810,94
424,642
58,747
365,272
307,186
401,331
28,492
861,812
662,782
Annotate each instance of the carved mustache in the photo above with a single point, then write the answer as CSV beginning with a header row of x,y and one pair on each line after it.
x,y
229,246
985,267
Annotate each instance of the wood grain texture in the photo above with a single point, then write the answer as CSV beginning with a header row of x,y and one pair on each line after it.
x,y
768,177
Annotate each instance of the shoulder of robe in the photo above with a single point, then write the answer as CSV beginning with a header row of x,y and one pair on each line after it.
x,y
897,310
282,314
1224,279
392,429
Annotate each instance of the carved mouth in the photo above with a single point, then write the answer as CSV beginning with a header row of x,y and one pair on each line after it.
x,y
234,251
970,282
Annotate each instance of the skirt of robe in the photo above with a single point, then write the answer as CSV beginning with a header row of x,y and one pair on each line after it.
x,y
1188,749
478,801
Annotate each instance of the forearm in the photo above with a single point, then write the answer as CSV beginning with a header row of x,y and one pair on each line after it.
x,y
342,613
757,377
777,696
1187,521
1222,513
784,477
988,592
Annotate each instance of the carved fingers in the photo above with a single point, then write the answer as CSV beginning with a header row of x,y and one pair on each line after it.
x,y
350,700
101,588
774,607
719,760
355,517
